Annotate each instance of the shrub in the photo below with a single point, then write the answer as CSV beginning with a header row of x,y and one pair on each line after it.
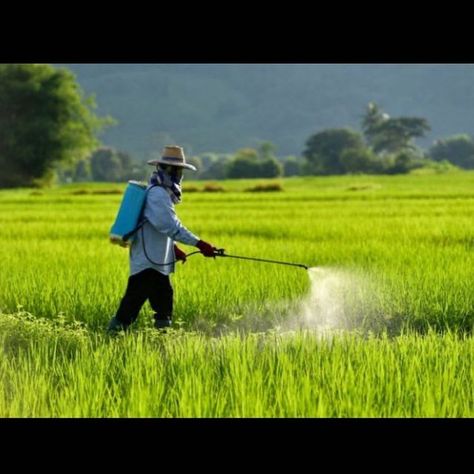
x,y
213,188
265,187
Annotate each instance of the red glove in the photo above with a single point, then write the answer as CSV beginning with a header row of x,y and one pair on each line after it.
x,y
206,249
179,254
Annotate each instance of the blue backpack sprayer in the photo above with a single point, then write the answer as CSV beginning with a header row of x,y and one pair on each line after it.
x,y
130,219
129,214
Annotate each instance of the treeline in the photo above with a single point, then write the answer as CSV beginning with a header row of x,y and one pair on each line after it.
x,y
110,165
49,131
384,146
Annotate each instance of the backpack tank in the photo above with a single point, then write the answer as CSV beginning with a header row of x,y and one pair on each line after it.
x,y
129,214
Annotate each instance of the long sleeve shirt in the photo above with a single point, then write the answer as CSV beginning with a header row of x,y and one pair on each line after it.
x,y
160,232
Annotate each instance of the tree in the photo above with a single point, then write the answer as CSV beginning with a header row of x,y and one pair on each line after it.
x,y
242,167
216,170
361,160
324,149
83,171
391,135
291,166
458,149
269,168
106,165
403,163
44,120
247,164
371,121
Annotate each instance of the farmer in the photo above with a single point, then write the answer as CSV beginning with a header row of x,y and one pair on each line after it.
x,y
153,251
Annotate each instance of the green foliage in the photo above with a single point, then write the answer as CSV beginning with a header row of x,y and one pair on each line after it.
x,y
395,264
292,166
458,149
404,241
403,163
244,165
55,373
410,235
427,167
248,163
389,149
45,120
106,165
83,171
324,150
269,168
391,135
361,160
110,165
214,166
371,120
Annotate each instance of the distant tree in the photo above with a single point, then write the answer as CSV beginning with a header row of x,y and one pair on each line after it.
x,y
106,165
403,163
324,150
244,164
269,168
44,120
242,167
371,121
126,162
391,135
131,169
458,149
247,153
291,166
217,169
361,160
83,171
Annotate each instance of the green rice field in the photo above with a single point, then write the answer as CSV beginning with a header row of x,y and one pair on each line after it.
x,y
380,326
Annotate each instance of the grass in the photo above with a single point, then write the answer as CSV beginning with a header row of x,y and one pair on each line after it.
x,y
66,372
404,243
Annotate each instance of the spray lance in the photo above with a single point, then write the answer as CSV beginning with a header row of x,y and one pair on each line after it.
x,y
221,253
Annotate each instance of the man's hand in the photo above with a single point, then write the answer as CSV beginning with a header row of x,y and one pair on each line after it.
x,y
206,249
179,254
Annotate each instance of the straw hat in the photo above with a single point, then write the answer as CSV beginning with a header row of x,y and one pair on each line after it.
x,y
174,156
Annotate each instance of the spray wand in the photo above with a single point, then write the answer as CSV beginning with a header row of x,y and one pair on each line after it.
x,y
221,253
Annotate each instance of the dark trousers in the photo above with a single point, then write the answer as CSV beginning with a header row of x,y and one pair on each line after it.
x,y
147,285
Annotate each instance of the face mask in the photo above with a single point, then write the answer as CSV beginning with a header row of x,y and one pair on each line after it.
x,y
177,178
175,173
170,178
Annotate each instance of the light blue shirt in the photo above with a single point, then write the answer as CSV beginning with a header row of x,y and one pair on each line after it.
x,y
160,232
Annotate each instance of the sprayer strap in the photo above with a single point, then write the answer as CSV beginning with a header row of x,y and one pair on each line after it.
x,y
139,226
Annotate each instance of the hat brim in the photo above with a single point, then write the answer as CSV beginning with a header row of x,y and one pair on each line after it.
x,y
178,165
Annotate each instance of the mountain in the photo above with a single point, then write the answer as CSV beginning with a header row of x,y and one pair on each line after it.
x,y
223,107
